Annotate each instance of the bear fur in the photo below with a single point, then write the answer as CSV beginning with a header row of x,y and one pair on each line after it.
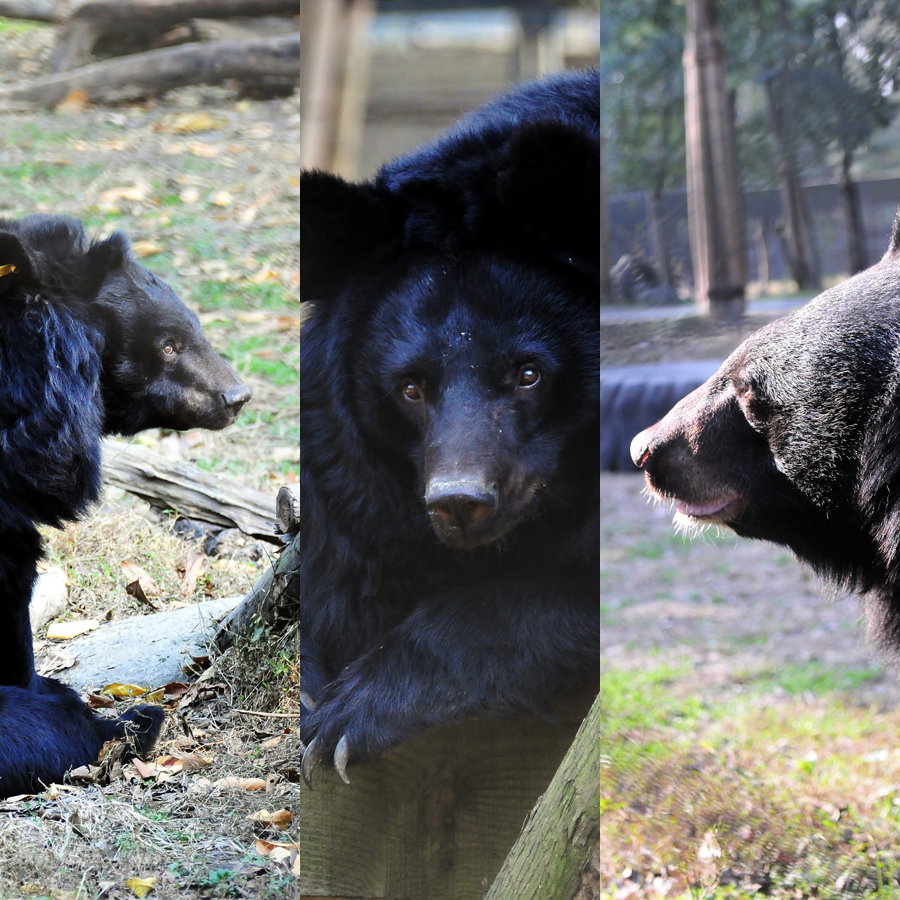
x,y
91,343
796,440
448,544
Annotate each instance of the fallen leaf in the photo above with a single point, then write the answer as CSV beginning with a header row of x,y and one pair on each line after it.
x,y
75,101
222,198
135,590
116,689
245,784
145,248
134,572
193,568
64,631
266,848
145,770
189,195
204,151
98,701
188,123
140,887
131,192
280,818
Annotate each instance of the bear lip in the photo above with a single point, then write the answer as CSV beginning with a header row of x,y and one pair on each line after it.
x,y
705,510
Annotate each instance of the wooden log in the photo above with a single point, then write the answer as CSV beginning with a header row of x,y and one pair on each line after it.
x,y
188,490
157,71
35,10
123,26
287,509
549,857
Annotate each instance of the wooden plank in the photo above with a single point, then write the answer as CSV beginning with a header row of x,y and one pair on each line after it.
x,y
434,819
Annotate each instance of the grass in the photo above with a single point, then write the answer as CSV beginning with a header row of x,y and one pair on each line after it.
x,y
762,794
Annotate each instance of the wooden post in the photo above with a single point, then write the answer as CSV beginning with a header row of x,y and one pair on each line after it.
x,y
548,859
715,210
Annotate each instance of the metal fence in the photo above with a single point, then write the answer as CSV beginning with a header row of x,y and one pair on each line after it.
x,y
630,228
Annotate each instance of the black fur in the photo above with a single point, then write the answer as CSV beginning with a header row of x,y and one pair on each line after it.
x,y
449,415
796,440
91,343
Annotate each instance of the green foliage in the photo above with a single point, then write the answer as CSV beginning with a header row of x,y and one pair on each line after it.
x,y
643,95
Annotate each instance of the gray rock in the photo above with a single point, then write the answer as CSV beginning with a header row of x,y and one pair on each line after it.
x,y
144,650
48,599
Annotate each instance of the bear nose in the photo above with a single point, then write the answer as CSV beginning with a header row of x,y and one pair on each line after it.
x,y
640,448
461,504
236,397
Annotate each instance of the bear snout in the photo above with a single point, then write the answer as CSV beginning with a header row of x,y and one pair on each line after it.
x,y
676,469
235,398
461,509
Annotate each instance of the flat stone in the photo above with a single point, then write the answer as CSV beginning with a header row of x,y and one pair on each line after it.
x,y
144,650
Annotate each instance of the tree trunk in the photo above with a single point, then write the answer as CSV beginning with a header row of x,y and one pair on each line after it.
x,y
124,26
857,257
157,71
715,209
548,858
796,230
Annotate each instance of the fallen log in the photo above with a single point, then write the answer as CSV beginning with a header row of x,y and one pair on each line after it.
x,y
186,489
118,27
157,71
35,10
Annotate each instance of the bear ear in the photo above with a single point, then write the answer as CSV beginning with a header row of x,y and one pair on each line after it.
x,y
109,254
550,191
346,230
879,483
18,265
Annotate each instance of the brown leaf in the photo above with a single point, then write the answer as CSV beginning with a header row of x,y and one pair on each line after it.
x,y
135,590
279,818
75,101
99,701
193,568
134,572
245,784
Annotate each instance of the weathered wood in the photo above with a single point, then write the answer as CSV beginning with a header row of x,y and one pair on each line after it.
x,y
157,71
548,858
35,10
433,820
188,490
123,26
287,509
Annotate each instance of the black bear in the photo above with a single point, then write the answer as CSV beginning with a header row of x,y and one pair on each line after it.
x,y
796,440
449,390
91,343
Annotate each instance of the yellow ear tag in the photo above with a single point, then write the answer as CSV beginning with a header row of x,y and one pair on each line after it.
x,y
8,270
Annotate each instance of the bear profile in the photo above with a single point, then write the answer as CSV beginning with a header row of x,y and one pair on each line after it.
x,y
796,440
448,544
91,343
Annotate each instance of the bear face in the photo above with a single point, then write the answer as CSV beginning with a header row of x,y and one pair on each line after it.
x,y
158,370
796,439
465,382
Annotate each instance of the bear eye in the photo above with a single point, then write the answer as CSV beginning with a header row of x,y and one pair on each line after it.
x,y
529,375
169,348
412,391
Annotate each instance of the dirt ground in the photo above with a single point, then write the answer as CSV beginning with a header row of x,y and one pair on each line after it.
x,y
734,609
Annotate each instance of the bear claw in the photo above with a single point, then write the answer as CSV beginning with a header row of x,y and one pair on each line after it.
x,y
312,756
341,756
